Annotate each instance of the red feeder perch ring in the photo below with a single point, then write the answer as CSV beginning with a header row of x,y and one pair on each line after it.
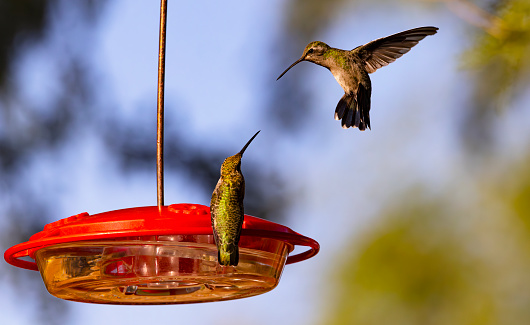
x,y
156,255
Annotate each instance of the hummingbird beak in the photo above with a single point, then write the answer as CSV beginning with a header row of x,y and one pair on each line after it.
x,y
249,141
292,65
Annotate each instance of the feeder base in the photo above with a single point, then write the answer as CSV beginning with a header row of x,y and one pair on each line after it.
x,y
158,270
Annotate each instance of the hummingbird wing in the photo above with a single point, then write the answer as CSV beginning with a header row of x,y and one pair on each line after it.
x,y
386,50
214,206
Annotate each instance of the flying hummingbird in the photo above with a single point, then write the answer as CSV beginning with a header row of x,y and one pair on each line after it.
x,y
351,69
227,210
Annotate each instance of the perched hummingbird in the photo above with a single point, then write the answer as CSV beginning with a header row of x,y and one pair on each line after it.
x,y
351,69
227,210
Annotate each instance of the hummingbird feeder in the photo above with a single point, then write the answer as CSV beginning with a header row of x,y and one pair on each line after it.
x,y
156,254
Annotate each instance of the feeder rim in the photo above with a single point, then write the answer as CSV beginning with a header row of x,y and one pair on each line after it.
x,y
91,230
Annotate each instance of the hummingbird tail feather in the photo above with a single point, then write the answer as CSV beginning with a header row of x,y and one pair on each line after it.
x,y
354,111
229,257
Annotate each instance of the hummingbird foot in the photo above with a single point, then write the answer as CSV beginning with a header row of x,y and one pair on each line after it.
x,y
228,255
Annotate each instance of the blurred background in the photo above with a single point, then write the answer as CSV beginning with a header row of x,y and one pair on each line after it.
x,y
425,219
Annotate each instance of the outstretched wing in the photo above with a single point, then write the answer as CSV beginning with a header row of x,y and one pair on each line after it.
x,y
386,50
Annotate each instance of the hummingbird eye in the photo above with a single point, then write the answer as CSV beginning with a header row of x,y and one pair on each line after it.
x,y
310,51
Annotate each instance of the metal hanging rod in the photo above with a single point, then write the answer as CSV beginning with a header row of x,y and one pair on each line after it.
x,y
160,105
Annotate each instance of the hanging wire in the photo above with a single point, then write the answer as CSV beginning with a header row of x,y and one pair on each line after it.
x,y
160,105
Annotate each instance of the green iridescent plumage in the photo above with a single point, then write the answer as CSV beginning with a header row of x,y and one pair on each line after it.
x,y
226,208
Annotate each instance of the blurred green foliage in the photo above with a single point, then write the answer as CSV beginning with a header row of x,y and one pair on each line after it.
x,y
503,49
442,260
459,257
498,62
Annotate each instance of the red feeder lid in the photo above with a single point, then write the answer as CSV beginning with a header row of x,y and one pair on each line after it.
x,y
181,219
